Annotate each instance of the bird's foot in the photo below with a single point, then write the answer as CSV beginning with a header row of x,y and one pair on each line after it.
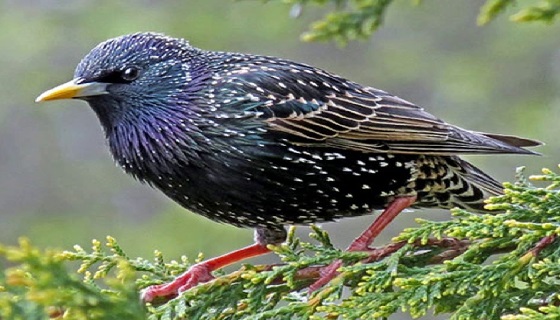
x,y
198,273
326,274
362,242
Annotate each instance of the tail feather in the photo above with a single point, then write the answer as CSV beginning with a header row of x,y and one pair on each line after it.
x,y
513,140
477,177
487,143
478,186
465,187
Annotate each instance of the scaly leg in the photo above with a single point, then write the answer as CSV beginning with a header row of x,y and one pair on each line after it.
x,y
362,242
202,272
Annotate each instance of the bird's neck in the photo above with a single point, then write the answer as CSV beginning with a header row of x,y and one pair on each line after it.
x,y
152,146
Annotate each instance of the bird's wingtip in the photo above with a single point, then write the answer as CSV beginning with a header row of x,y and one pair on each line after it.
x,y
513,140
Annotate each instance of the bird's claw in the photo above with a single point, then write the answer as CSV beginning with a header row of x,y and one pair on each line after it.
x,y
326,275
198,273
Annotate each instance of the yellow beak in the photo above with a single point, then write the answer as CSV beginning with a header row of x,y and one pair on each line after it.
x,y
73,89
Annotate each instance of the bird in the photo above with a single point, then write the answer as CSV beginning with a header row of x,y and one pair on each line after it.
x,y
263,142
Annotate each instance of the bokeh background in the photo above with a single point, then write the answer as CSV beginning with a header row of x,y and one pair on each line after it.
x,y
59,186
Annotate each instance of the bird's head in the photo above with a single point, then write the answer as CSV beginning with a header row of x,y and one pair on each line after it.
x,y
140,87
128,76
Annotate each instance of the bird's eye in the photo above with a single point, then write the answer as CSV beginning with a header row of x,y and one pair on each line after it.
x,y
130,74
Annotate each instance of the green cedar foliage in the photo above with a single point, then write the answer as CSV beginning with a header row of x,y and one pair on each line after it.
x,y
504,265
358,19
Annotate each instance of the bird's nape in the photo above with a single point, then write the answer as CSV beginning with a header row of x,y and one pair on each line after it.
x,y
265,142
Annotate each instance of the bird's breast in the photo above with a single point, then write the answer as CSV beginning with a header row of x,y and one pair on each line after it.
x,y
263,184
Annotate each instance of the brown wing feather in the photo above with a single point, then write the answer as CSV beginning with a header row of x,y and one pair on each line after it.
x,y
372,120
320,109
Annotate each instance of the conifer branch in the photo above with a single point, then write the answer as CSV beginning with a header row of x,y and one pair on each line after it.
x,y
349,20
494,266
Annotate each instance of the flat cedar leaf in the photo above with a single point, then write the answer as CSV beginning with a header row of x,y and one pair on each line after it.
x,y
503,265
348,20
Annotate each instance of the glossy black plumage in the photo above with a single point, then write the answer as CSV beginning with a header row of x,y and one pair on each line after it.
x,y
262,142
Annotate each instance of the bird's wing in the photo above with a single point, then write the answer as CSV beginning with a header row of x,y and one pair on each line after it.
x,y
319,109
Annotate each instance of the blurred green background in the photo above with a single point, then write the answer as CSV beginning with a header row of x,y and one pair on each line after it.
x,y
59,186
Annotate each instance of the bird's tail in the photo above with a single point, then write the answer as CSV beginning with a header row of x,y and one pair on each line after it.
x,y
464,186
513,140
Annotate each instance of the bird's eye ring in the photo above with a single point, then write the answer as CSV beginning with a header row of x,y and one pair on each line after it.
x,y
130,74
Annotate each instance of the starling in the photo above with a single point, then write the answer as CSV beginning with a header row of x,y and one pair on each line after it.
x,y
263,142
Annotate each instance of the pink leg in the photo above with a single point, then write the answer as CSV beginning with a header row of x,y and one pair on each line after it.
x,y
362,242
201,272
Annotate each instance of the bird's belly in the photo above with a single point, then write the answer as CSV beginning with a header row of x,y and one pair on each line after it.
x,y
299,187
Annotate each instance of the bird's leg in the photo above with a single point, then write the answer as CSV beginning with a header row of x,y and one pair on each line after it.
x,y
202,272
362,242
